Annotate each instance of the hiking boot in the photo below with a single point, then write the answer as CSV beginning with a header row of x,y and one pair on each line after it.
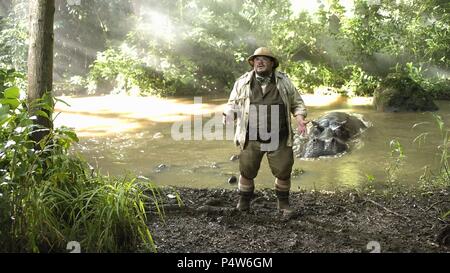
x,y
283,204
244,201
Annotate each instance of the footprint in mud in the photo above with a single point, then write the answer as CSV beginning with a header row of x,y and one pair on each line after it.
x,y
215,205
443,238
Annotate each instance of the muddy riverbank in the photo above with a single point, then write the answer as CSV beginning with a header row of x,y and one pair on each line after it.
x,y
348,221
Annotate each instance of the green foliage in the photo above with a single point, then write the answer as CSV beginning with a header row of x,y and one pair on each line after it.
x,y
13,36
196,46
48,198
444,148
359,49
75,85
359,83
85,29
399,81
442,177
438,86
80,31
396,160
10,78
306,76
126,72
200,46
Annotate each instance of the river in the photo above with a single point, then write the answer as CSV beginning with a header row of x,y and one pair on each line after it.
x,y
120,134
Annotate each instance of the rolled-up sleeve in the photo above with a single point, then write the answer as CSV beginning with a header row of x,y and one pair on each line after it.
x,y
297,104
232,104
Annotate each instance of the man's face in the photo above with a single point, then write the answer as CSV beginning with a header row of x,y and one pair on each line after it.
x,y
262,65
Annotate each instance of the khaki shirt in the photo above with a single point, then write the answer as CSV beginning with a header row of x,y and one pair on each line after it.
x,y
239,102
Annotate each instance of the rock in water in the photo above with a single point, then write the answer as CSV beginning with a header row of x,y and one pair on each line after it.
x,y
232,180
158,135
400,93
161,167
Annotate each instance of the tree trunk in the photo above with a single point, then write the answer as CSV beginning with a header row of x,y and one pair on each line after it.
x,y
40,62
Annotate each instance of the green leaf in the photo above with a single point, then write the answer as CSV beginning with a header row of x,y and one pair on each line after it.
x,y
60,100
12,92
71,134
4,119
4,109
446,214
42,114
14,103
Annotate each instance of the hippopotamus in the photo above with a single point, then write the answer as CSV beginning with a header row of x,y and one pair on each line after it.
x,y
328,135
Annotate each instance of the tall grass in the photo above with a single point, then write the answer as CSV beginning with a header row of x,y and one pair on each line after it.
x,y
49,198
104,214
441,178
396,160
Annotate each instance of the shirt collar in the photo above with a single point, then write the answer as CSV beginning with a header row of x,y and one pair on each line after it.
x,y
263,79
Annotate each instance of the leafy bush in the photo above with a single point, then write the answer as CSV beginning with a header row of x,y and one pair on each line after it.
x,y
437,87
125,71
307,76
48,198
441,178
75,85
9,78
359,83
13,37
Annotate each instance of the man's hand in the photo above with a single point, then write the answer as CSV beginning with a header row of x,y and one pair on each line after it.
x,y
301,124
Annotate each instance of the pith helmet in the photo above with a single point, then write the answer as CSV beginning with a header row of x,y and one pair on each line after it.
x,y
263,51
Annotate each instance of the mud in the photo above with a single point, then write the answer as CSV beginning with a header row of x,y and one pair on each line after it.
x,y
348,221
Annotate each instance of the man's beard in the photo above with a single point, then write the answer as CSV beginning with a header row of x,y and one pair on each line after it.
x,y
263,73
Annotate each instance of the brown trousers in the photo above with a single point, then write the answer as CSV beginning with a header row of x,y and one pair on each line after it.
x,y
280,160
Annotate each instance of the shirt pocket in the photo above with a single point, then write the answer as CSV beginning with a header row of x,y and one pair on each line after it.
x,y
241,99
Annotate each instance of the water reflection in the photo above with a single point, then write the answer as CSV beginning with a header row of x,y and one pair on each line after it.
x,y
119,133
114,114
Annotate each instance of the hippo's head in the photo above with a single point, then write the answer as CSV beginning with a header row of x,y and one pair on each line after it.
x,y
314,148
334,146
322,146
328,135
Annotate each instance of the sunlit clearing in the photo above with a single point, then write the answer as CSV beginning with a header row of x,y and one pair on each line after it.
x,y
301,5
157,25
130,51
74,45
106,115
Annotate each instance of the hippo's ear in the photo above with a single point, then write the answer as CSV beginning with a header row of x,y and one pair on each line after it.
x,y
338,125
317,125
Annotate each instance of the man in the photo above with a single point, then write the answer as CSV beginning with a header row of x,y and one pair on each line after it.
x,y
262,99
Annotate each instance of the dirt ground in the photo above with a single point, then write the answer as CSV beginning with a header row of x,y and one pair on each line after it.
x,y
347,221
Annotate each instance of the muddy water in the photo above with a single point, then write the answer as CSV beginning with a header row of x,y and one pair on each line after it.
x,y
122,134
